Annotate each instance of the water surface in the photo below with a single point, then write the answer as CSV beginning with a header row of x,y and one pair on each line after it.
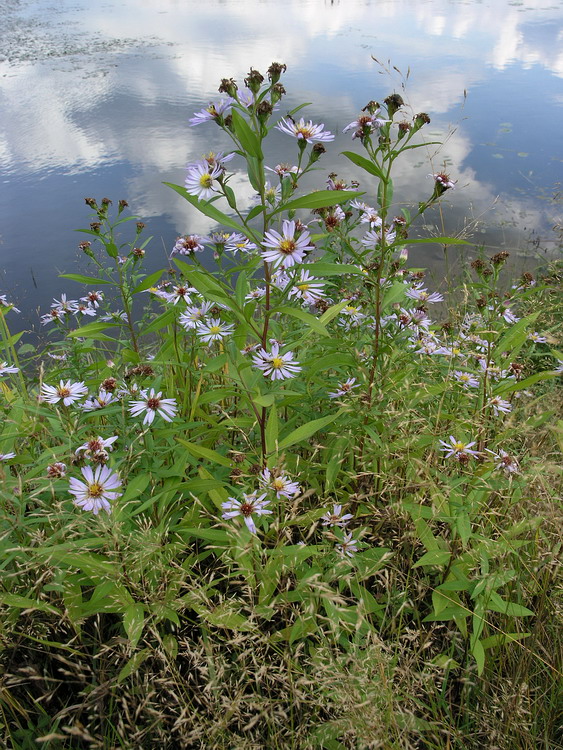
x,y
96,97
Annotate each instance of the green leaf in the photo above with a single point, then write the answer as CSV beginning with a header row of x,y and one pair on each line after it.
x,y
365,164
318,199
526,383
148,282
305,431
320,268
23,602
434,557
514,337
214,213
199,451
479,655
134,622
247,137
501,639
133,664
160,321
91,330
310,320
90,280
272,431
135,487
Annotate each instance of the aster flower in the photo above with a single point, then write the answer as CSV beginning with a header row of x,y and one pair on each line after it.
x,y
5,367
286,249
213,159
348,547
214,111
152,404
56,470
536,338
280,278
499,405
305,131
182,291
194,315
352,315
505,462
93,298
559,368
272,195
466,379
284,169
246,97
4,303
239,243
95,445
256,294
66,392
336,518
420,294
414,319
277,366
188,245
65,306
365,125
249,506
307,288
509,316
215,330
93,403
84,309
376,236
7,456
344,388
280,484
99,488
53,315
201,181
457,449
442,183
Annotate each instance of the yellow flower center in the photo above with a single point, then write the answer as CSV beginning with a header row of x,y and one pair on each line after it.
x,y
351,309
305,132
459,446
206,180
303,287
95,490
464,378
215,329
278,484
277,362
63,392
287,246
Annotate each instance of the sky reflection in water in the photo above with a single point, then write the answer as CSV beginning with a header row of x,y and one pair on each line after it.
x,y
96,98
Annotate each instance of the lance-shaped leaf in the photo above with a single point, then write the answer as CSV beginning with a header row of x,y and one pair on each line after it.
x,y
207,208
319,199
366,164
306,430
247,137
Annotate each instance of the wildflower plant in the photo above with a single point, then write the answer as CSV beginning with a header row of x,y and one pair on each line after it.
x,y
320,430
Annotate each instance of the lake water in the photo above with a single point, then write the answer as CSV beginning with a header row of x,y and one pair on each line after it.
x,y
95,100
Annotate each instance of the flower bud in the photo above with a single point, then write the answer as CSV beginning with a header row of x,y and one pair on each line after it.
x,y
500,258
277,92
92,203
371,107
393,102
140,226
275,71
254,80
122,205
264,110
420,120
316,152
228,86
